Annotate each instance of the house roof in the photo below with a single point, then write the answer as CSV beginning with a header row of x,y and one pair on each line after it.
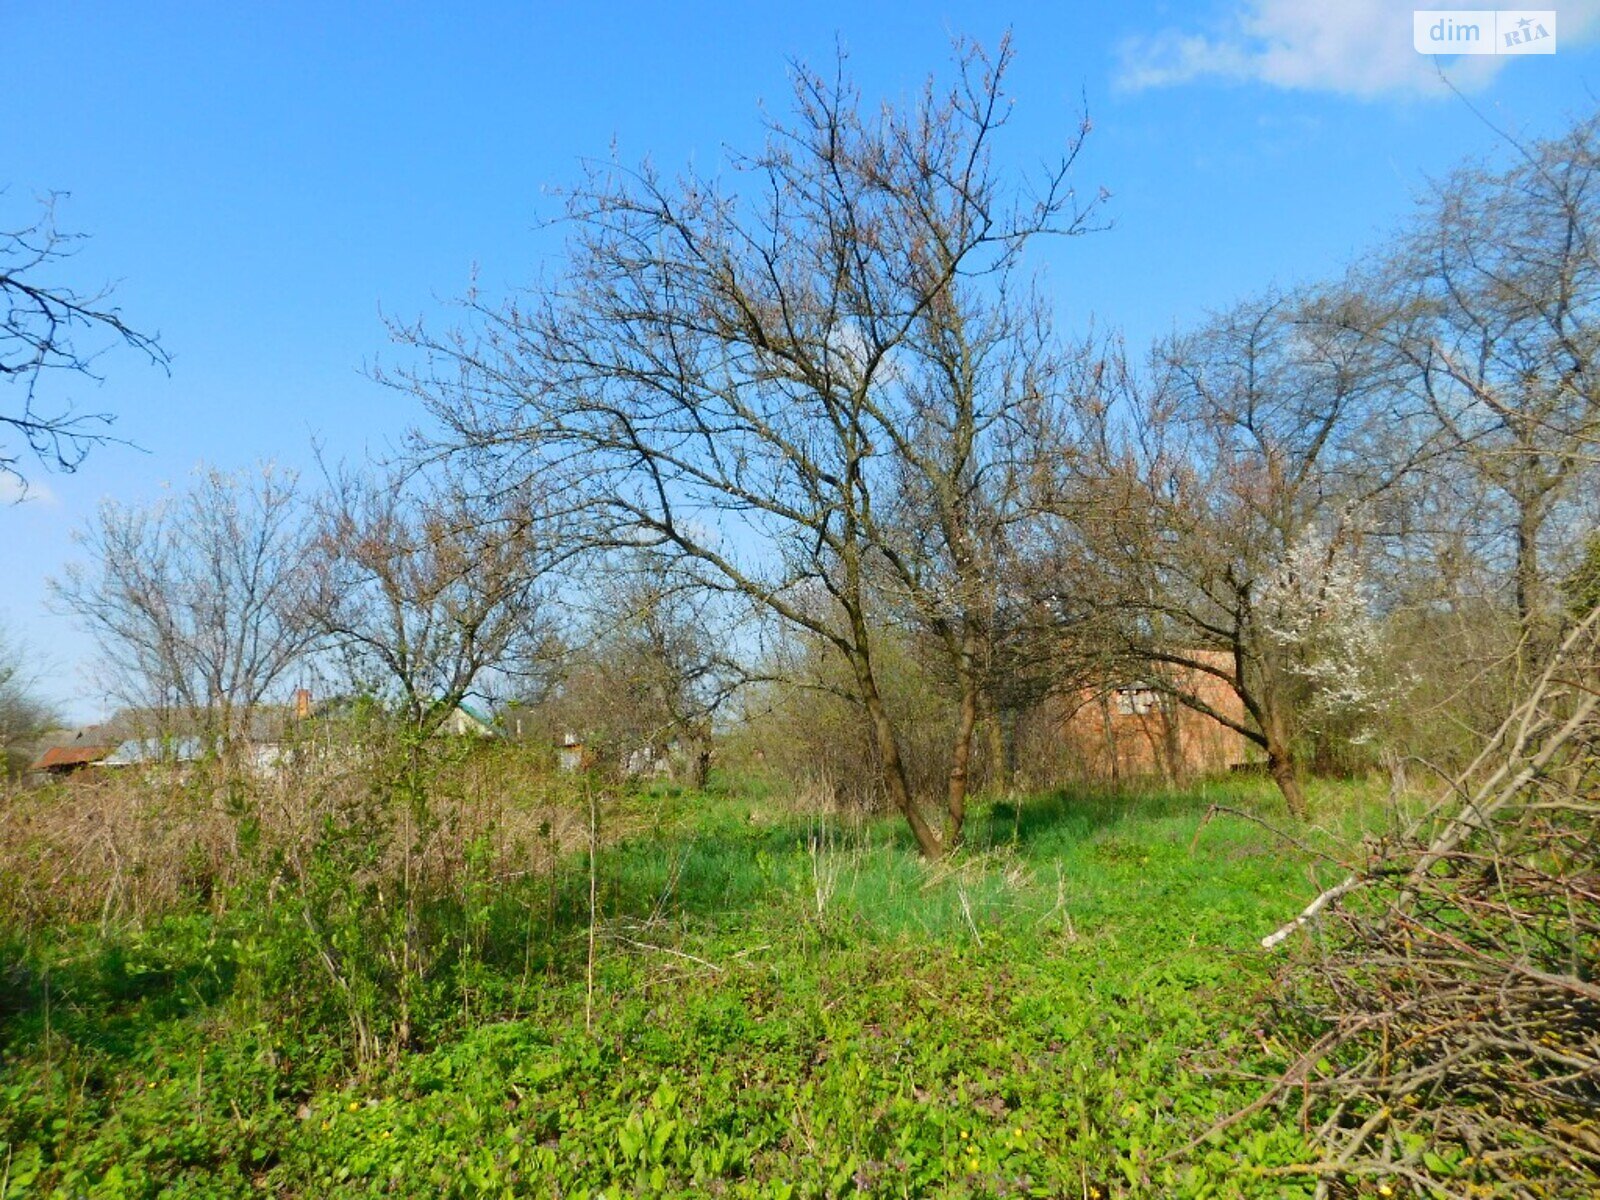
x,y
143,751
477,714
59,757
263,723
464,718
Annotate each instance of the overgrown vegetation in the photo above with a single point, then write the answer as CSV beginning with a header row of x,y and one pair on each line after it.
x,y
1449,1012
783,1002
785,471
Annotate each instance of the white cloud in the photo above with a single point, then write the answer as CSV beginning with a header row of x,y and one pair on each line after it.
x,y
1356,48
14,491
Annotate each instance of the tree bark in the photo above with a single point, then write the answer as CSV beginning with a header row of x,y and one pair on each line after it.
x,y
894,769
960,765
1111,739
700,765
1530,519
1281,766
999,756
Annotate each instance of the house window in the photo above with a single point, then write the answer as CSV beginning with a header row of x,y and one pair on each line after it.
x,y
1135,700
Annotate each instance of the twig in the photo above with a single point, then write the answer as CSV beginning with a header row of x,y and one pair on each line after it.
x,y
1268,826
617,937
967,909
588,987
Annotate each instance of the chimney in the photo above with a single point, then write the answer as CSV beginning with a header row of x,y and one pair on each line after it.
x,y
302,704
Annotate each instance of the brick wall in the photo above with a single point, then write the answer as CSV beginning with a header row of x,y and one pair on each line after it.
x,y
1128,728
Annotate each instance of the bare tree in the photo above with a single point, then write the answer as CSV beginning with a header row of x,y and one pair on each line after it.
x,y
982,427
24,714
199,603
425,590
1216,509
678,645
1492,301
41,322
656,659
726,372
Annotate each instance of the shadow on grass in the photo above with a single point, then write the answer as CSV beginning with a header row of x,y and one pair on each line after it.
x,y
729,861
1053,820
104,994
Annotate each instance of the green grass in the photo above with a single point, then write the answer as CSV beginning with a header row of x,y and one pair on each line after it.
x,y
782,1006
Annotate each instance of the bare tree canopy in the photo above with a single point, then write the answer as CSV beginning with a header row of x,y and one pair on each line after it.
x,y
199,603
49,328
1491,303
744,372
426,589
659,657
24,714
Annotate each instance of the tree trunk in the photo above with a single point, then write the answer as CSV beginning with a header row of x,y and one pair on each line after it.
x,y
700,765
1274,720
1281,766
960,765
1176,764
1527,568
894,769
999,757
1113,759
1530,518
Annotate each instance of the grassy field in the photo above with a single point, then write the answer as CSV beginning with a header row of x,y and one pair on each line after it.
x,y
781,1005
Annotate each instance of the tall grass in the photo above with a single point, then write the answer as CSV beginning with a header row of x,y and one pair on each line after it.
x,y
433,959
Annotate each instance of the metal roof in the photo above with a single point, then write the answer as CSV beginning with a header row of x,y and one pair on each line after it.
x,y
58,757
138,752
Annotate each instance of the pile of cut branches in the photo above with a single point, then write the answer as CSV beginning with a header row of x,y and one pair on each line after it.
x,y
1450,993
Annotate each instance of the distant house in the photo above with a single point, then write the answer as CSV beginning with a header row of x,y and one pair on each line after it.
x,y
1135,726
156,752
467,721
573,755
66,752
129,742
464,720
267,739
650,761
67,760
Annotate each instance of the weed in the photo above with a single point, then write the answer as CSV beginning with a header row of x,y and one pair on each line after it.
x,y
787,1006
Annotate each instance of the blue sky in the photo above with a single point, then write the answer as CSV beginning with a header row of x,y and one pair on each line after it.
x,y
263,183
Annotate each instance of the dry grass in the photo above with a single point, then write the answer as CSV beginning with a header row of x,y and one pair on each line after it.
x,y
129,846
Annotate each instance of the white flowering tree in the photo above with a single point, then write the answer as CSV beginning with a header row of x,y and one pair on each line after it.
x,y
1321,637
1202,472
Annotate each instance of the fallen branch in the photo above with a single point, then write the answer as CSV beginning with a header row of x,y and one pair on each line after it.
x,y
1452,1012
1309,913
628,941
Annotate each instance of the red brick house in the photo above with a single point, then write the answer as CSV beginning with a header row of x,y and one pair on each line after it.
x,y
1133,727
